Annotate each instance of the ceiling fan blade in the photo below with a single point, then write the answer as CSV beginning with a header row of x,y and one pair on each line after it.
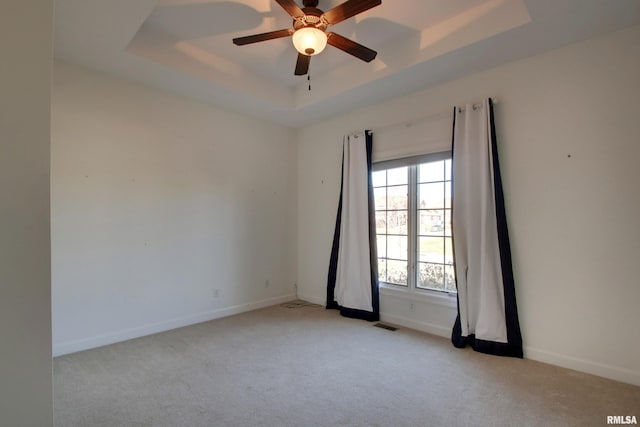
x,y
351,47
291,7
348,9
240,41
302,64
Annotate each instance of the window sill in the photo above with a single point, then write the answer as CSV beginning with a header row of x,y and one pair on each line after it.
x,y
429,297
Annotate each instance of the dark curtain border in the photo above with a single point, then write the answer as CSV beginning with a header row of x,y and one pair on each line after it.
x,y
513,346
371,316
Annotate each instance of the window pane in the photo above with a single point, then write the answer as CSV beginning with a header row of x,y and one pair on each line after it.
x,y
397,272
432,222
431,196
379,178
397,247
447,222
381,222
397,222
430,172
431,276
448,251
382,270
447,169
398,176
382,246
450,279
380,197
431,249
398,197
447,195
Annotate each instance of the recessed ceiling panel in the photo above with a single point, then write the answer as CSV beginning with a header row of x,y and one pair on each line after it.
x,y
195,38
185,46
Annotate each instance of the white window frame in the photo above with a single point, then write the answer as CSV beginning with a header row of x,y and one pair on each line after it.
x,y
412,292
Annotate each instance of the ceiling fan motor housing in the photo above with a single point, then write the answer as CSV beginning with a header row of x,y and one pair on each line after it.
x,y
312,18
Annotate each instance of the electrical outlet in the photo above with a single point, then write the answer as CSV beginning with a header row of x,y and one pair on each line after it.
x,y
216,293
266,283
412,306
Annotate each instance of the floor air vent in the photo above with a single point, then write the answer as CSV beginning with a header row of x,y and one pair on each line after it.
x,y
387,327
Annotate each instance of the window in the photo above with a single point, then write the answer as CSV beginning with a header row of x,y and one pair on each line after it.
x,y
413,222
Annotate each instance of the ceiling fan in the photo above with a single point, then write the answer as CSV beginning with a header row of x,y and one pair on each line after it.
x,y
310,34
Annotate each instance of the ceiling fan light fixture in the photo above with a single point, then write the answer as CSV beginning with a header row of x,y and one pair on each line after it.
x,y
309,40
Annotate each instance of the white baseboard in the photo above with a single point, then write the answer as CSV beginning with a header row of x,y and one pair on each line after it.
x,y
569,362
154,328
392,318
313,299
418,325
577,364
583,365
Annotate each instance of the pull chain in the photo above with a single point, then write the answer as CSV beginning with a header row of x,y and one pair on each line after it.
x,y
309,80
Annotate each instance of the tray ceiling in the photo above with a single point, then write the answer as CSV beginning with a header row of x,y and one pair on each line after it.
x,y
184,46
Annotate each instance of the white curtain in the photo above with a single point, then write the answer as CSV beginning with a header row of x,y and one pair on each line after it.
x,y
353,282
487,313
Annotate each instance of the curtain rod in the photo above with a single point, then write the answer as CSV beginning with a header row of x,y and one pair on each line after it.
x,y
424,118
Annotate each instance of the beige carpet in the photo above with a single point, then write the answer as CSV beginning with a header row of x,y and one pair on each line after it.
x,y
307,366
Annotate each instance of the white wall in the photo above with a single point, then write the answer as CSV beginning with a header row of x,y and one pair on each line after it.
x,y
25,275
157,203
573,220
